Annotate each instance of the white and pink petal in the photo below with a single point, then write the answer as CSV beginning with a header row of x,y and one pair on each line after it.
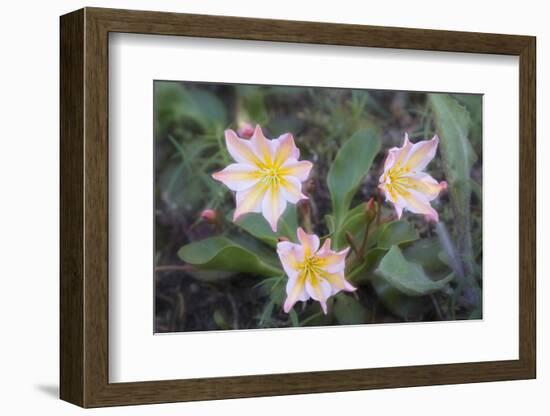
x,y
238,176
295,289
291,189
299,169
249,200
310,242
421,154
319,289
273,206
239,149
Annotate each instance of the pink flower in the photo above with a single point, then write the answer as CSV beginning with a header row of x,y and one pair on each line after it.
x,y
266,176
404,181
312,272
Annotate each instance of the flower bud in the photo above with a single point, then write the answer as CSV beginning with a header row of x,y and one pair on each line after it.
x,y
245,130
371,209
210,216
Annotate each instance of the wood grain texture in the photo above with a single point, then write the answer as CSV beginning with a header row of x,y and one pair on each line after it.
x,y
71,100
84,207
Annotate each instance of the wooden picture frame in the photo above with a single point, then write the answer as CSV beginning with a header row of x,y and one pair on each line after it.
x,y
84,207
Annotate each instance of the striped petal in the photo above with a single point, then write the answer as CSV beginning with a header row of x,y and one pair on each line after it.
x,y
240,150
291,189
291,256
299,169
333,262
421,154
285,149
295,289
249,200
338,282
273,206
310,242
424,184
398,155
263,148
320,290
417,203
238,176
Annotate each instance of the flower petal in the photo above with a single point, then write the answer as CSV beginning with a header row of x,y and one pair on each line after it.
x,y
334,262
249,200
263,148
398,155
426,185
295,290
393,153
421,154
416,203
310,242
285,148
320,290
338,282
273,206
291,256
291,188
331,257
399,206
299,169
239,149
238,176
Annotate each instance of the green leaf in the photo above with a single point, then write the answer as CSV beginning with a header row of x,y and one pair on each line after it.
x,y
207,106
452,122
350,166
348,311
408,277
353,223
395,233
219,253
365,271
428,253
408,308
256,225
329,220
175,102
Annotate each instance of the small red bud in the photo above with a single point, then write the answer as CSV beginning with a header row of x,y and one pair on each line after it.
x,y
209,215
281,239
371,209
245,130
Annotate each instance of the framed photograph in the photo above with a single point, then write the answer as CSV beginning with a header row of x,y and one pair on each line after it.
x,y
261,207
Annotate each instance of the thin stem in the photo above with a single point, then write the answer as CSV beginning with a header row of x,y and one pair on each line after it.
x,y
365,237
379,210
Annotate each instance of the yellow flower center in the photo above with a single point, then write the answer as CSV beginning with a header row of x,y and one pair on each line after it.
x,y
312,267
271,176
396,180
